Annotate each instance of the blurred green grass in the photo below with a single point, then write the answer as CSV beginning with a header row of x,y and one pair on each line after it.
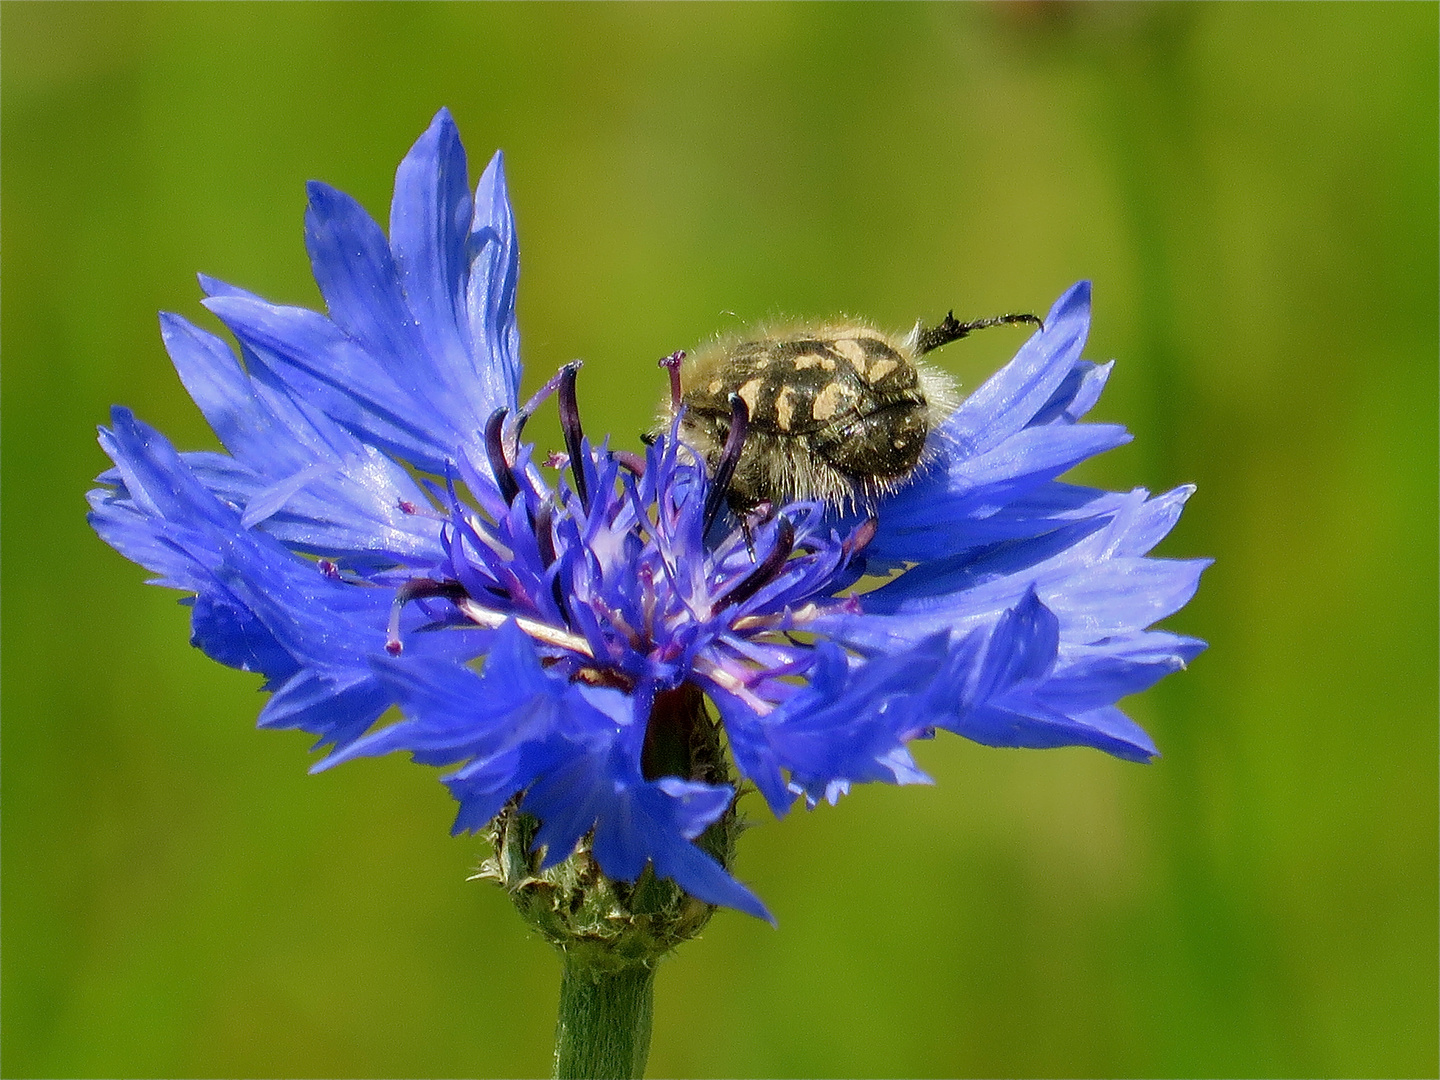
x,y
1253,189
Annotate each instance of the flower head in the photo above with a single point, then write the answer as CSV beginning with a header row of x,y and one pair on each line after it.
x,y
378,525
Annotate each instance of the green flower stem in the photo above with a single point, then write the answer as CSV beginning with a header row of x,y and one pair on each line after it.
x,y
603,1032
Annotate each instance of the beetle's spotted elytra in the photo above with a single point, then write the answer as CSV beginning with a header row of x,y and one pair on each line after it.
x,y
838,412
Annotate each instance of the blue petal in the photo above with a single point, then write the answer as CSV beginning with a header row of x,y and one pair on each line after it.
x,y
351,512
494,275
636,820
156,482
1092,574
339,705
453,714
1023,646
1029,457
1149,520
971,488
1008,701
317,362
983,581
483,787
1123,594
919,529
357,275
269,501
223,391
463,374
1077,395
1033,727
566,756
424,344
258,605
430,218
230,633
1089,676
1014,395
849,723
681,811
748,737
137,535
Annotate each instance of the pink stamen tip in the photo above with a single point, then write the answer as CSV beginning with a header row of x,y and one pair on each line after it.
x,y
852,605
556,459
329,569
394,648
407,507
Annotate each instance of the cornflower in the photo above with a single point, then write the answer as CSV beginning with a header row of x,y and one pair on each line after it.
x,y
378,525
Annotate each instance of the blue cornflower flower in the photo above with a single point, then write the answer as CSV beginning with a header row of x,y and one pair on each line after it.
x,y
378,524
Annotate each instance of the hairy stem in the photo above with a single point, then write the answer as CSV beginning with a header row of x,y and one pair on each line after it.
x,y
603,1031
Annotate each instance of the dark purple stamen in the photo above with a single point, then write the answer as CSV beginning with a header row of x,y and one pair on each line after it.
x,y
759,513
570,425
544,537
765,573
537,400
729,458
545,541
628,459
858,540
417,589
495,452
672,364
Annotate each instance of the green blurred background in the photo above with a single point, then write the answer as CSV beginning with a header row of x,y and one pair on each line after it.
x,y
1253,190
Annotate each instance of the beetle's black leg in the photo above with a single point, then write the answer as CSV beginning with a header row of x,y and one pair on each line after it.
x,y
951,329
